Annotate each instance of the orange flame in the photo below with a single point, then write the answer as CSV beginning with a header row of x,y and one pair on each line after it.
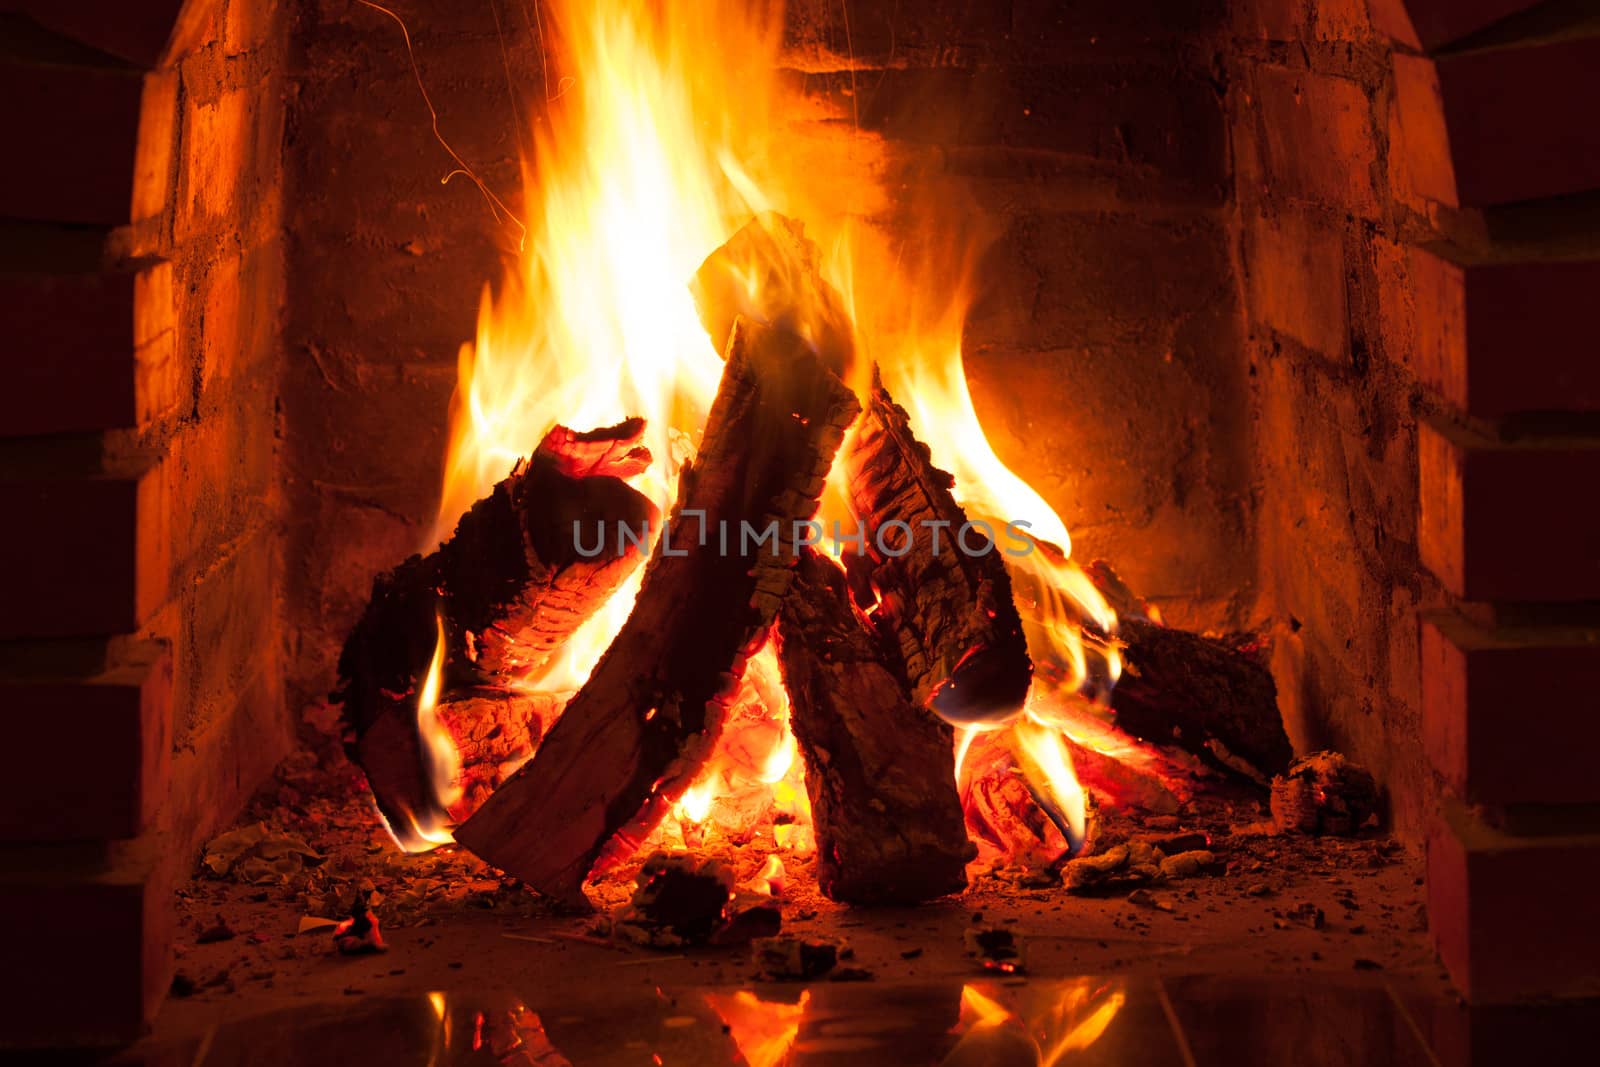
x,y
431,828
671,128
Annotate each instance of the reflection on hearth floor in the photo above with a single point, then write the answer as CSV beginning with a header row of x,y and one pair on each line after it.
x,y
1195,1021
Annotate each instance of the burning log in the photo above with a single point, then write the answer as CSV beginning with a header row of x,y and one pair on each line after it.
x,y
1209,697
945,602
508,588
630,742
879,769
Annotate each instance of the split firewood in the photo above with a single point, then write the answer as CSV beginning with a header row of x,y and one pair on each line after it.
x,y
509,587
768,272
945,606
630,742
1210,697
880,770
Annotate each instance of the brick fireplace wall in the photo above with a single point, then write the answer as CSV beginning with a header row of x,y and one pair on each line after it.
x,y
141,284
1286,315
1418,227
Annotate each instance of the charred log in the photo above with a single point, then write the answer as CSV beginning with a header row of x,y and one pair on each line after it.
x,y
1213,698
509,587
880,770
946,609
633,737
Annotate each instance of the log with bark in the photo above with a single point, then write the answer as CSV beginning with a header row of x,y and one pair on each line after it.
x,y
945,606
633,737
880,770
509,587
1208,696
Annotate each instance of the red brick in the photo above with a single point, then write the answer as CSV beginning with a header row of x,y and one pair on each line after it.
x,y
1296,275
1438,22
1509,712
1318,142
216,138
85,351
120,720
1509,521
135,31
89,559
158,140
1519,129
1502,338
1513,917
1149,115
1420,166
70,136
92,948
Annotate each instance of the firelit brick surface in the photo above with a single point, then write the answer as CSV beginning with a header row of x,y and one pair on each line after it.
x,y
1297,280
79,147
1509,713
1317,138
93,945
85,351
1496,339
1146,113
1518,128
1420,166
1513,917
1510,521
90,559
120,722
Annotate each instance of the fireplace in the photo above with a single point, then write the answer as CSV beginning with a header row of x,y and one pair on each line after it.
x,y
1277,303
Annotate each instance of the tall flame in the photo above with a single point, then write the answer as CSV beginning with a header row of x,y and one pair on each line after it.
x,y
670,126
430,828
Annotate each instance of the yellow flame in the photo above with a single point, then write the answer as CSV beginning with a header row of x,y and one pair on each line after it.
x,y
674,126
695,804
1048,767
634,180
426,830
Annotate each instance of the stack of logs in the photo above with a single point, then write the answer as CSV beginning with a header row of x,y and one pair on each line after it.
x,y
943,636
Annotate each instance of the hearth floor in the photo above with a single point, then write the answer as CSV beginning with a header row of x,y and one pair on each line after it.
x,y
1194,1021
1320,912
